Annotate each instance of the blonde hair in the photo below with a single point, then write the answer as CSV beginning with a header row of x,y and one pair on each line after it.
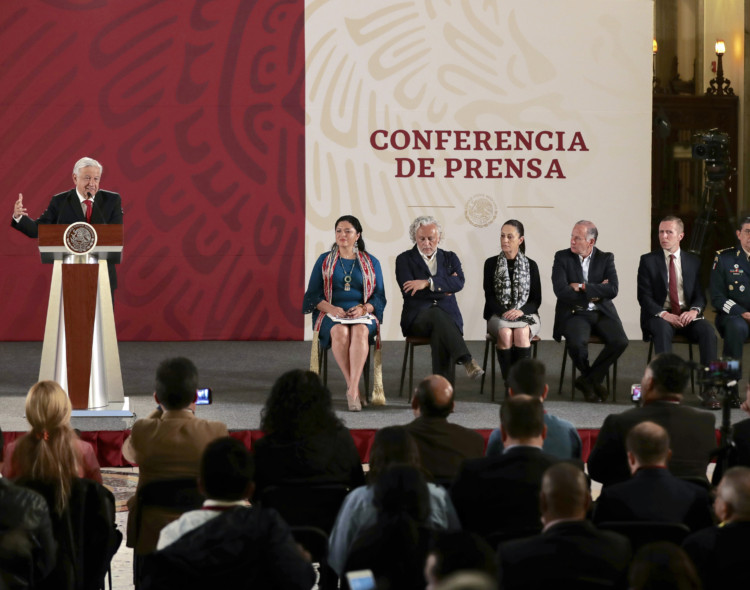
x,y
49,452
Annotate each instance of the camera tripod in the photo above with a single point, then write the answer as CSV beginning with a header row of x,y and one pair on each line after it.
x,y
709,216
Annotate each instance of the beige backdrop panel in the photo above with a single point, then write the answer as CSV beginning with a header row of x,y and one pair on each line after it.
x,y
523,65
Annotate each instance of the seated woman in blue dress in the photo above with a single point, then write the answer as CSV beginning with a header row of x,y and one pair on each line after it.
x,y
346,284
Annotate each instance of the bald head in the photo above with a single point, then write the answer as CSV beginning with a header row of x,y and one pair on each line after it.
x,y
565,493
733,495
647,444
433,397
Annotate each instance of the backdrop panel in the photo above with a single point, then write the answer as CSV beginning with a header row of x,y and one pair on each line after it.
x,y
477,112
195,109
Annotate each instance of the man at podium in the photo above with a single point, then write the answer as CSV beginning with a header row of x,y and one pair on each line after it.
x,y
85,202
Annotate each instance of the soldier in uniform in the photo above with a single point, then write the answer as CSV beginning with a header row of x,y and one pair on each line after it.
x,y
730,295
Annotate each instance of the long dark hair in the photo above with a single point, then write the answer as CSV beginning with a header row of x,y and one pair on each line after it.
x,y
299,405
519,227
357,227
392,444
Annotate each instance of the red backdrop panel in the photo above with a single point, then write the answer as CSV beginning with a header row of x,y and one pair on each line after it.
x,y
196,111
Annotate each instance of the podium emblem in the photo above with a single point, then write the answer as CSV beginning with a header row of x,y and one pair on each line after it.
x,y
79,238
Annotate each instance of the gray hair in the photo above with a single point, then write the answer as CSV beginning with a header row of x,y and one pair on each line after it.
x,y
591,231
84,162
424,220
734,489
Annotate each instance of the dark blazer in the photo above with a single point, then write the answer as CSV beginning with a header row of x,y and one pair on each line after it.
x,y
692,438
410,265
655,495
501,493
741,437
443,446
653,285
564,553
720,555
65,208
567,269
491,304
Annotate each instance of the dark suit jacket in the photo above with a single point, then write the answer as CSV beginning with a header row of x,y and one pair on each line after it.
x,y
653,285
742,442
567,552
444,446
501,493
567,269
655,495
691,434
720,555
410,265
65,208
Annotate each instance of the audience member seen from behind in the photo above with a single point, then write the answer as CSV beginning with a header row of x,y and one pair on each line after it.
x,y
27,545
500,495
392,444
50,440
443,446
52,461
720,553
670,499
226,480
167,444
395,547
228,543
570,550
691,431
459,551
512,296
305,442
346,283
663,566
562,440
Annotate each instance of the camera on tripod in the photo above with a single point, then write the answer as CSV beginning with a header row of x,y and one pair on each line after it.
x,y
720,373
713,147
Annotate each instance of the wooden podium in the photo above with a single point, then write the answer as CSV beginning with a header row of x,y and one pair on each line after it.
x,y
80,342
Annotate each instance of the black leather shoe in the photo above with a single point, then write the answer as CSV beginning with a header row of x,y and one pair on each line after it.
x,y
587,389
734,402
601,391
709,400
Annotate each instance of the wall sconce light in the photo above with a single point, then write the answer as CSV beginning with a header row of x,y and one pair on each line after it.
x,y
720,86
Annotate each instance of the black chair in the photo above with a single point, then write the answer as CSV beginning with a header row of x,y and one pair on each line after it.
x,y
323,368
177,496
306,505
315,541
593,339
641,533
411,342
490,342
677,339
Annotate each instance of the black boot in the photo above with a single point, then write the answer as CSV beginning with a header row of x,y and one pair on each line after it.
x,y
505,359
520,353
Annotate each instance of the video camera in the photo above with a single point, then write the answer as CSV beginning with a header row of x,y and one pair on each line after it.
x,y
720,373
713,147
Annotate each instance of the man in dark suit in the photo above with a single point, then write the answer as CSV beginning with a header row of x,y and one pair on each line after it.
x,y
585,282
85,202
501,493
429,279
442,446
672,299
653,494
691,431
720,554
570,551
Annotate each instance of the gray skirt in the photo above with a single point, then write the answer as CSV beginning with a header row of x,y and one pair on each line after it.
x,y
496,322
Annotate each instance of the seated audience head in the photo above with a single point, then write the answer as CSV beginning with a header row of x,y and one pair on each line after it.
x,y
176,383
528,376
49,453
663,566
299,405
732,502
564,493
458,551
665,378
647,444
433,397
522,421
227,470
392,444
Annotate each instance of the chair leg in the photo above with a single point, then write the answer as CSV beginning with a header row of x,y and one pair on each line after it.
x,y
325,367
692,373
562,370
572,380
650,351
492,382
367,375
533,349
411,371
484,366
614,383
403,369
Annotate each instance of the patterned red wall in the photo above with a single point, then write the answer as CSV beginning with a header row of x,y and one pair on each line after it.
x,y
196,111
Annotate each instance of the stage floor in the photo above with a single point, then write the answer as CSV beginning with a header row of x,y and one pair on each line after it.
x,y
241,375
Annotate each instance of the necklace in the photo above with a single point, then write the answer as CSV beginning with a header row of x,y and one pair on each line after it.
x,y
348,275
